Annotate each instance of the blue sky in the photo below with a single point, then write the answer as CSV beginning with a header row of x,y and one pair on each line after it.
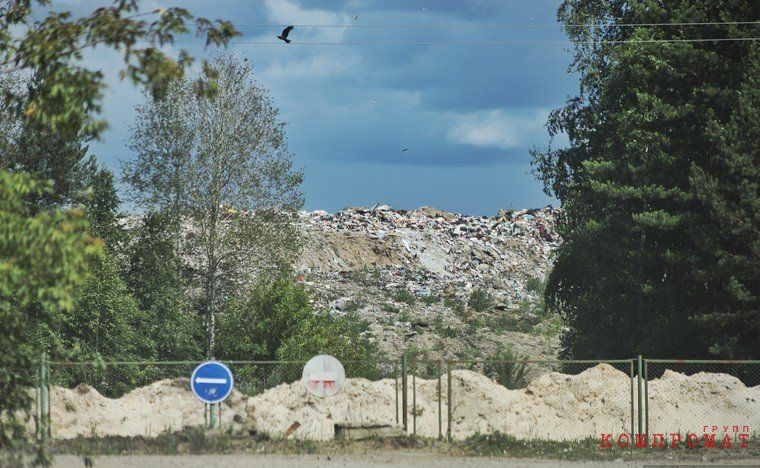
x,y
467,114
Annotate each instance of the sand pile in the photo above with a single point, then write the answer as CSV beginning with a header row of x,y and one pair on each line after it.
x,y
165,405
555,406
676,400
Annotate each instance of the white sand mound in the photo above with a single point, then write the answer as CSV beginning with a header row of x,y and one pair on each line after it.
x,y
165,405
555,406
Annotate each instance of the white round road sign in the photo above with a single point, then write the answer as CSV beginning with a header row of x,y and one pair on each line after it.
x,y
323,376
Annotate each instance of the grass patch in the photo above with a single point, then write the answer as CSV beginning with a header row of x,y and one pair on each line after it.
x,y
429,300
511,372
195,441
353,305
502,445
535,285
191,440
388,307
405,296
456,306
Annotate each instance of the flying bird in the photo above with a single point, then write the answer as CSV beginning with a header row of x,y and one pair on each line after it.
x,y
284,35
423,9
372,102
356,18
405,150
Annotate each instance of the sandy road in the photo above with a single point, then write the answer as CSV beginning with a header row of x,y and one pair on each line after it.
x,y
422,460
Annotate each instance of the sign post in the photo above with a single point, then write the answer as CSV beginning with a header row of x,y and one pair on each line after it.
x,y
212,383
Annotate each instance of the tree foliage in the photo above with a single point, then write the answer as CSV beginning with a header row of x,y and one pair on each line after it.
x,y
154,278
53,46
43,249
222,166
42,257
276,320
28,146
659,183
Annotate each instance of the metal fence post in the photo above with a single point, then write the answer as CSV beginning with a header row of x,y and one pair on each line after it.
x,y
404,395
633,412
41,418
448,398
43,398
48,374
220,415
395,378
646,398
640,395
414,397
440,403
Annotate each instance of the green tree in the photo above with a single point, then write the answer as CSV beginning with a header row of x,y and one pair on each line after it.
x,y
53,46
658,161
277,321
32,147
343,337
154,278
253,327
222,166
42,255
101,204
106,324
41,260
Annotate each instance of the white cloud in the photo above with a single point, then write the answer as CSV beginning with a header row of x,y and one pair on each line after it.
x,y
313,67
285,12
495,128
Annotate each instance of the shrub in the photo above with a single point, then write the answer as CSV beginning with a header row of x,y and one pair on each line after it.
x,y
456,306
480,300
534,284
508,370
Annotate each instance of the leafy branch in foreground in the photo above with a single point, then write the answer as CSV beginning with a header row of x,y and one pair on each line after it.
x,y
54,46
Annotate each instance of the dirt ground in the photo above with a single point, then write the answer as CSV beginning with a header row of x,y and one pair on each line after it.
x,y
395,458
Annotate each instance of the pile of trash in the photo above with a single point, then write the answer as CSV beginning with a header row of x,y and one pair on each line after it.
x,y
382,220
432,252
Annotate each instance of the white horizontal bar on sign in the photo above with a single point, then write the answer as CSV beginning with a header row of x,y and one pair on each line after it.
x,y
210,380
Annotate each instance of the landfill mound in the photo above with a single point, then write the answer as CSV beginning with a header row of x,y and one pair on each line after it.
x,y
554,406
454,253
411,274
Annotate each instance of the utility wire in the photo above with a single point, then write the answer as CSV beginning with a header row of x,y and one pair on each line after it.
x,y
447,26
478,43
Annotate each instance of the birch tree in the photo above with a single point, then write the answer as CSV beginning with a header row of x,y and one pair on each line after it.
x,y
222,167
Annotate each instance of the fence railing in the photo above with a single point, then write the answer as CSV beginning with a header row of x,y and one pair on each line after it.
x,y
444,399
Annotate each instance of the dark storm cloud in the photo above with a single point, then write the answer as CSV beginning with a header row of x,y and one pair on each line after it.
x,y
467,114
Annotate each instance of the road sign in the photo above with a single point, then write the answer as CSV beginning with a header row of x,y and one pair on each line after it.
x,y
211,382
323,376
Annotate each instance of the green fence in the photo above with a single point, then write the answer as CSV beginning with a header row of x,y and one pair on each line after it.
x,y
543,399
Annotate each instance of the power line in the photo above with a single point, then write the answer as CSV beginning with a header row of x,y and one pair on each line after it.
x,y
451,26
480,43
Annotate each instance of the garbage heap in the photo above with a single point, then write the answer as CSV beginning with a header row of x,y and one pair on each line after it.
x,y
431,252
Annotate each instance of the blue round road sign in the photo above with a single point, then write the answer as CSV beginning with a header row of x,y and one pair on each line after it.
x,y
211,382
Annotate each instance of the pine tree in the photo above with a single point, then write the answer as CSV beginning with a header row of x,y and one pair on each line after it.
x,y
660,157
